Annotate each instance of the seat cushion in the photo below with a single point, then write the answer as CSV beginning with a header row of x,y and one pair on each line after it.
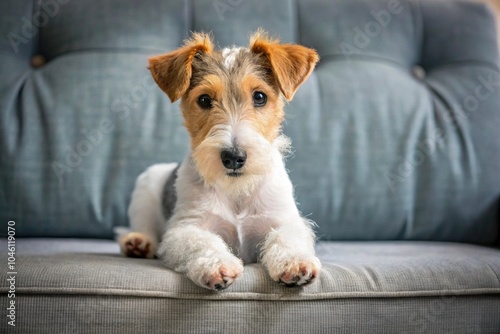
x,y
397,286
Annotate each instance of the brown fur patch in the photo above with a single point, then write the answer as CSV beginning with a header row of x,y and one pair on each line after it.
x,y
290,63
232,100
267,119
172,71
197,120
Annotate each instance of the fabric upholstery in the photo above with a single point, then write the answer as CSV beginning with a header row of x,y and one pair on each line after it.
x,y
116,314
400,287
379,153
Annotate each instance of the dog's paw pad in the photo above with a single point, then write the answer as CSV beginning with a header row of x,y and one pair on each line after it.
x,y
137,245
300,273
223,277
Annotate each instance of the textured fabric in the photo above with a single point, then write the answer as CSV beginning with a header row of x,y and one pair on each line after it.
x,y
46,246
114,314
365,287
357,269
390,155
380,153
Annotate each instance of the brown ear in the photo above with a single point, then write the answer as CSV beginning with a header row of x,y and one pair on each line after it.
x,y
172,71
291,63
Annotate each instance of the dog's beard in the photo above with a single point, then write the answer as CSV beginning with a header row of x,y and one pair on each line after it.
x,y
261,158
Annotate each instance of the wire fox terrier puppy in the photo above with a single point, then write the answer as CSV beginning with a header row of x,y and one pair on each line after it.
x,y
230,201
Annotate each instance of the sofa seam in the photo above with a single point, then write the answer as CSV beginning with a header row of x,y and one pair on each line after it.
x,y
253,295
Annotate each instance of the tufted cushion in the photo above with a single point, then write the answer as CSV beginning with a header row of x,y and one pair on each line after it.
x,y
383,149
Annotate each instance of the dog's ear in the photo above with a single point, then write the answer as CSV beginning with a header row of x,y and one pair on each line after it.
x,y
172,71
291,64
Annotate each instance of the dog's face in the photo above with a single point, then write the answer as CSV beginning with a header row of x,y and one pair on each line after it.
x,y
232,102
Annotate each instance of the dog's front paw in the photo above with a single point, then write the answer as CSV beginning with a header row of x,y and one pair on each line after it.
x,y
137,245
218,275
296,271
223,277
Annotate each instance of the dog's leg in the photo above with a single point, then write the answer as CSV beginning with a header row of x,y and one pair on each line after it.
x,y
199,253
287,246
200,235
145,212
288,253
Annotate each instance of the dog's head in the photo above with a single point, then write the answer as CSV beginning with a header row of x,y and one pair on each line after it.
x,y
232,101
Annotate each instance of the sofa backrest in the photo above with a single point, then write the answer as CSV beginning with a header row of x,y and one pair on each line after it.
x,y
395,133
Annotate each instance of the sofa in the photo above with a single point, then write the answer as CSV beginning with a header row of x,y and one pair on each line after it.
x,y
396,158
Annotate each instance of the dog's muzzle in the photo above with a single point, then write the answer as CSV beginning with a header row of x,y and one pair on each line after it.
x,y
233,159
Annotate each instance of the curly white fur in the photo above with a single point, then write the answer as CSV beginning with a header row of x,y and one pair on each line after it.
x,y
211,233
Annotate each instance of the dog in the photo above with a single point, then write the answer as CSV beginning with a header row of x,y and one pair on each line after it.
x,y
230,202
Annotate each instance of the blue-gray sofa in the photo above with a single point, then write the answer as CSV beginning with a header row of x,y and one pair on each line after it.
x,y
396,158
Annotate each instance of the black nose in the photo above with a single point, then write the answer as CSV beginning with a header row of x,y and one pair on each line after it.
x,y
233,158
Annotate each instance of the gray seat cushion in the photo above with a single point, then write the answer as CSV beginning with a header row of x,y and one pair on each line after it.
x,y
399,286
379,153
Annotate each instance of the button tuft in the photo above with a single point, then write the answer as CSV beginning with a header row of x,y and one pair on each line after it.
x,y
418,72
38,61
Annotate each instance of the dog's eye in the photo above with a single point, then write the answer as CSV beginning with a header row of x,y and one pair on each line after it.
x,y
259,99
205,101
